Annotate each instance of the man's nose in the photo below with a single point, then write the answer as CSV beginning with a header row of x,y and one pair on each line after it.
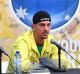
x,y
46,28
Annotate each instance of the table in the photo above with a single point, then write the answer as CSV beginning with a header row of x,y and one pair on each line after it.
x,y
47,71
44,71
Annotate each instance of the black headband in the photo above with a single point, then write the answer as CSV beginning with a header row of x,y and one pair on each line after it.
x,y
41,16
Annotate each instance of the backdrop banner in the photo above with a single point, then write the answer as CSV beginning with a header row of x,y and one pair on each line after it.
x,y
16,18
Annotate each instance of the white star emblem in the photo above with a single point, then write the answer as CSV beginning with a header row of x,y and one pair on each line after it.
x,y
21,12
67,17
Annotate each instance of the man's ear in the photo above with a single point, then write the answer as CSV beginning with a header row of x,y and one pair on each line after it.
x,y
33,26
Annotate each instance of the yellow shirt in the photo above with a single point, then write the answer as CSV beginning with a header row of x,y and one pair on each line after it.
x,y
29,53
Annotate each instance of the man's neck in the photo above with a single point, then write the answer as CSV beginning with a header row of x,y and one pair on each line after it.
x,y
39,41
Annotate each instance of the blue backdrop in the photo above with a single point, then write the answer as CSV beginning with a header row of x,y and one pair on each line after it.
x,y
61,11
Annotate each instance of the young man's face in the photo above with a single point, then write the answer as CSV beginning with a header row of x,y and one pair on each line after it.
x,y
42,29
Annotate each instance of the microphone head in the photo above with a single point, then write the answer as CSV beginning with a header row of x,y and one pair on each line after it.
x,y
3,51
52,41
55,43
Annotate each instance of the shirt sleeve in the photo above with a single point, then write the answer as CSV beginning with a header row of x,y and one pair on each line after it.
x,y
23,47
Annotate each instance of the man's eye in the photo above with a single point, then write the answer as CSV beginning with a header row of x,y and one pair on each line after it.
x,y
42,24
48,25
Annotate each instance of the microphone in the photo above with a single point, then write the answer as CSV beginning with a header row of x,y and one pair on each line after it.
x,y
57,44
3,51
61,48
59,53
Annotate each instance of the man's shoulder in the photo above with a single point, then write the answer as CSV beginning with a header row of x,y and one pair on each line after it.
x,y
25,35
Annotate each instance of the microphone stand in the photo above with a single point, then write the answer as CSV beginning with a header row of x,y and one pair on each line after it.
x,y
59,62
0,62
59,57
59,53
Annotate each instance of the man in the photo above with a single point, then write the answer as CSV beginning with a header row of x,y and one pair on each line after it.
x,y
35,44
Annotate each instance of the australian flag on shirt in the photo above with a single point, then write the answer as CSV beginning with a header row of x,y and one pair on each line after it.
x,y
61,11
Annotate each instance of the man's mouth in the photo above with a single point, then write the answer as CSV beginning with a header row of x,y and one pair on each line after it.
x,y
45,33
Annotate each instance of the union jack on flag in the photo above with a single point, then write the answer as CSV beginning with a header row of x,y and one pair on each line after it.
x,y
61,11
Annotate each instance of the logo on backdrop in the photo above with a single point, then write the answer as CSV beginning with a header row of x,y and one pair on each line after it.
x,y
61,11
